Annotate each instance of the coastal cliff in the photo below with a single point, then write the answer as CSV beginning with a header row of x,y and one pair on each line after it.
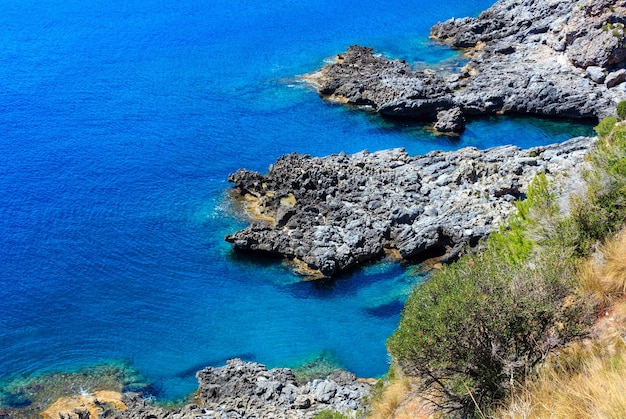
x,y
332,213
558,58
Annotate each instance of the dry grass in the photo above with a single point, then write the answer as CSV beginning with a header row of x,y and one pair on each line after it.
x,y
583,382
399,400
587,379
603,278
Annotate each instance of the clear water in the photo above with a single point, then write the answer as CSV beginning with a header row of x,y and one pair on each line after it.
x,y
119,123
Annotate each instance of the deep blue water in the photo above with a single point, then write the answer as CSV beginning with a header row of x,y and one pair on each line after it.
x,y
119,124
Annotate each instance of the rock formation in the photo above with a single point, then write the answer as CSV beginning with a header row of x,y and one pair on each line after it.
x,y
330,214
249,390
558,58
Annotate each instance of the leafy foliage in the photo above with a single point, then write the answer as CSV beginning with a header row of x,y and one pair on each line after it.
x,y
512,241
482,323
605,126
603,210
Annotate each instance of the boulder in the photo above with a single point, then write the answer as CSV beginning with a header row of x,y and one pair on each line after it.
x,y
450,121
615,78
596,74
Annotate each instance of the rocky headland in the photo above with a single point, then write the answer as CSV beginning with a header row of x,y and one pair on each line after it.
x,y
558,58
333,213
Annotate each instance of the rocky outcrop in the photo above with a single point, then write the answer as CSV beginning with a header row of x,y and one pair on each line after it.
x,y
330,214
249,390
554,58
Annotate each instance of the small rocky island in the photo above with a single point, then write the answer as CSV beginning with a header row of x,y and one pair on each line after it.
x,y
557,58
333,213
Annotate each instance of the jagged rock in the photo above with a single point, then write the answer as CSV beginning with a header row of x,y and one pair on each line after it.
x,y
347,209
451,120
615,78
596,74
249,390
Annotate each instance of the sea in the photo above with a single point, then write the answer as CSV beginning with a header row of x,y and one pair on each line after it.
x,y
120,122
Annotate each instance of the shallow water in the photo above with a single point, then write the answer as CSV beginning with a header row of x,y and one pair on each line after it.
x,y
119,124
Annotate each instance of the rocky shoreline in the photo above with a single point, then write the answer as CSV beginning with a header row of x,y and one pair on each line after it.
x,y
557,58
333,213
249,390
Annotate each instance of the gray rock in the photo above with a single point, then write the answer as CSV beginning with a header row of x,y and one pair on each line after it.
x,y
325,391
249,390
615,78
451,120
596,74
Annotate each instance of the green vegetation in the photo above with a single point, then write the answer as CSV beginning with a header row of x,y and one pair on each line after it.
x,y
617,29
602,211
605,126
480,327
329,414
481,324
621,110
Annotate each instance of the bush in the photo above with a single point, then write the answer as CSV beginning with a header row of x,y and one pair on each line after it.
x,y
602,210
481,324
621,110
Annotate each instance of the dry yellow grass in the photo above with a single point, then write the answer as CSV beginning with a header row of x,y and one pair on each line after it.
x,y
588,382
400,400
603,278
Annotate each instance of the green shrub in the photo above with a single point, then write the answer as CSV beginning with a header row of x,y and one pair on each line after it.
x,y
604,128
483,323
621,110
602,211
537,210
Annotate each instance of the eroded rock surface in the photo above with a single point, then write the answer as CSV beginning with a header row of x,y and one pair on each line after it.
x,y
332,213
558,58
249,390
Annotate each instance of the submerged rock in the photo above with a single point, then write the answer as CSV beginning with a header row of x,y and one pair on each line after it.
x,y
85,406
348,209
535,57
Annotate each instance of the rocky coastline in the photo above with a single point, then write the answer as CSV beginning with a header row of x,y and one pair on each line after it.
x,y
327,215
249,390
333,213
556,58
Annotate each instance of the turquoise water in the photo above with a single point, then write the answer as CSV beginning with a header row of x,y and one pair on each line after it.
x,y
119,124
